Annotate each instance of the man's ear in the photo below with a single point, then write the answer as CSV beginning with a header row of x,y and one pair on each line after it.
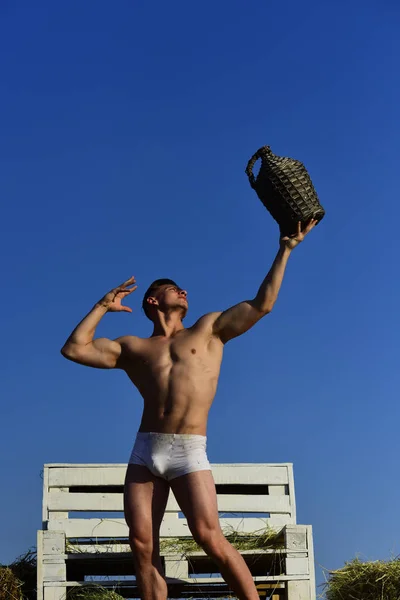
x,y
152,300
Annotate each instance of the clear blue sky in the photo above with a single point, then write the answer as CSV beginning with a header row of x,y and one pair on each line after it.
x,y
126,128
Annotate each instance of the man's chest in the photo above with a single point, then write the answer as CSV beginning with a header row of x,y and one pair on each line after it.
x,y
186,349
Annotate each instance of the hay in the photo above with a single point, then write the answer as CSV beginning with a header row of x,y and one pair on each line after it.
x,y
10,585
378,580
92,592
18,580
262,538
24,569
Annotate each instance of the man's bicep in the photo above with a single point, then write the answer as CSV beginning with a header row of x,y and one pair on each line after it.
x,y
236,320
101,353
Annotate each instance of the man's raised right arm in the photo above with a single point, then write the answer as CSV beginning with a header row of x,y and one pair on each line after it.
x,y
100,353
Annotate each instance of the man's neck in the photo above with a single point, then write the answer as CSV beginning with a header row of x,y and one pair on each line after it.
x,y
168,324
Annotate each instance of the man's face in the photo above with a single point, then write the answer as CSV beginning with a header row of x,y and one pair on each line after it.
x,y
170,297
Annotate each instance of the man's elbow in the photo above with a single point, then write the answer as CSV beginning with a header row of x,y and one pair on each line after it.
x,y
64,352
264,308
69,352
267,309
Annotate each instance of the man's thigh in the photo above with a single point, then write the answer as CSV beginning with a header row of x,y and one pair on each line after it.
x,y
145,499
197,497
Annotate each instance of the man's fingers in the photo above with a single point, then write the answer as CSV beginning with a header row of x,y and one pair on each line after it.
x,y
126,309
311,225
129,281
126,291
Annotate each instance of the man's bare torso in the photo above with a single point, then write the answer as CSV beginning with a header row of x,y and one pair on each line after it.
x,y
177,376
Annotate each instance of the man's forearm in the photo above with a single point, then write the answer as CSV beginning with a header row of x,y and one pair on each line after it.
x,y
84,332
269,289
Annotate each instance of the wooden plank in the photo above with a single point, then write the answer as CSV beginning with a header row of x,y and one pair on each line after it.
x,y
45,514
39,569
298,590
113,583
292,494
252,473
295,537
170,527
176,567
61,501
82,551
58,513
310,548
269,586
276,490
76,475
54,571
54,593
296,565
244,473
53,543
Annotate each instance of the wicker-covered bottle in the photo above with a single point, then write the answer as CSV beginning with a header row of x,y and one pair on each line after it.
x,y
286,190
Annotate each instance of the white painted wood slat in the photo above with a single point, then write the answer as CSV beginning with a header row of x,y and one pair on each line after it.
x,y
94,493
113,583
103,475
115,528
114,502
83,551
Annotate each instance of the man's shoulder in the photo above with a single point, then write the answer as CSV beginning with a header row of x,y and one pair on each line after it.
x,y
206,321
130,341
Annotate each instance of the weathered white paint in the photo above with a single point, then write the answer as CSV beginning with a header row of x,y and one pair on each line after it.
x,y
276,490
60,492
311,562
176,568
39,565
54,593
242,473
54,571
206,580
53,543
292,494
299,590
60,501
295,537
82,549
45,514
297,565
117,528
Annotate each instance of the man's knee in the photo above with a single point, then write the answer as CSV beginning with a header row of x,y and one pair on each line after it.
x,y
142,545
212,540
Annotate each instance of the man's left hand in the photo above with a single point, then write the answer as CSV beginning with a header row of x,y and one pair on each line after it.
x,y
292,241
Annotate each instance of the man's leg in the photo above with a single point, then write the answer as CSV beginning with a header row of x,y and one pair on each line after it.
x,y
197,497
145,499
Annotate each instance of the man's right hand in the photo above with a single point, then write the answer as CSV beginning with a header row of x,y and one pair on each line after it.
x,y
113,300
101,353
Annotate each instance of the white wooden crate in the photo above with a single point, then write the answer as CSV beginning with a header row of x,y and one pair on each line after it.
x,y
68,545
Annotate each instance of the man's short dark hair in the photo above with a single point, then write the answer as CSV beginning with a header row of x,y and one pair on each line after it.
x,y
153,287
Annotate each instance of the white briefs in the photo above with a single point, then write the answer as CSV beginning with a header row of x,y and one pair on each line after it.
x,y
170,455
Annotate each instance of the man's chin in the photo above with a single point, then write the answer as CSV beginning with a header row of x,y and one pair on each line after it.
x,y
183,309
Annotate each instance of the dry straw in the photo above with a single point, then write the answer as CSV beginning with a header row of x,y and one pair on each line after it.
x,y
10,585
378,580
18,580
262,539
92,592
